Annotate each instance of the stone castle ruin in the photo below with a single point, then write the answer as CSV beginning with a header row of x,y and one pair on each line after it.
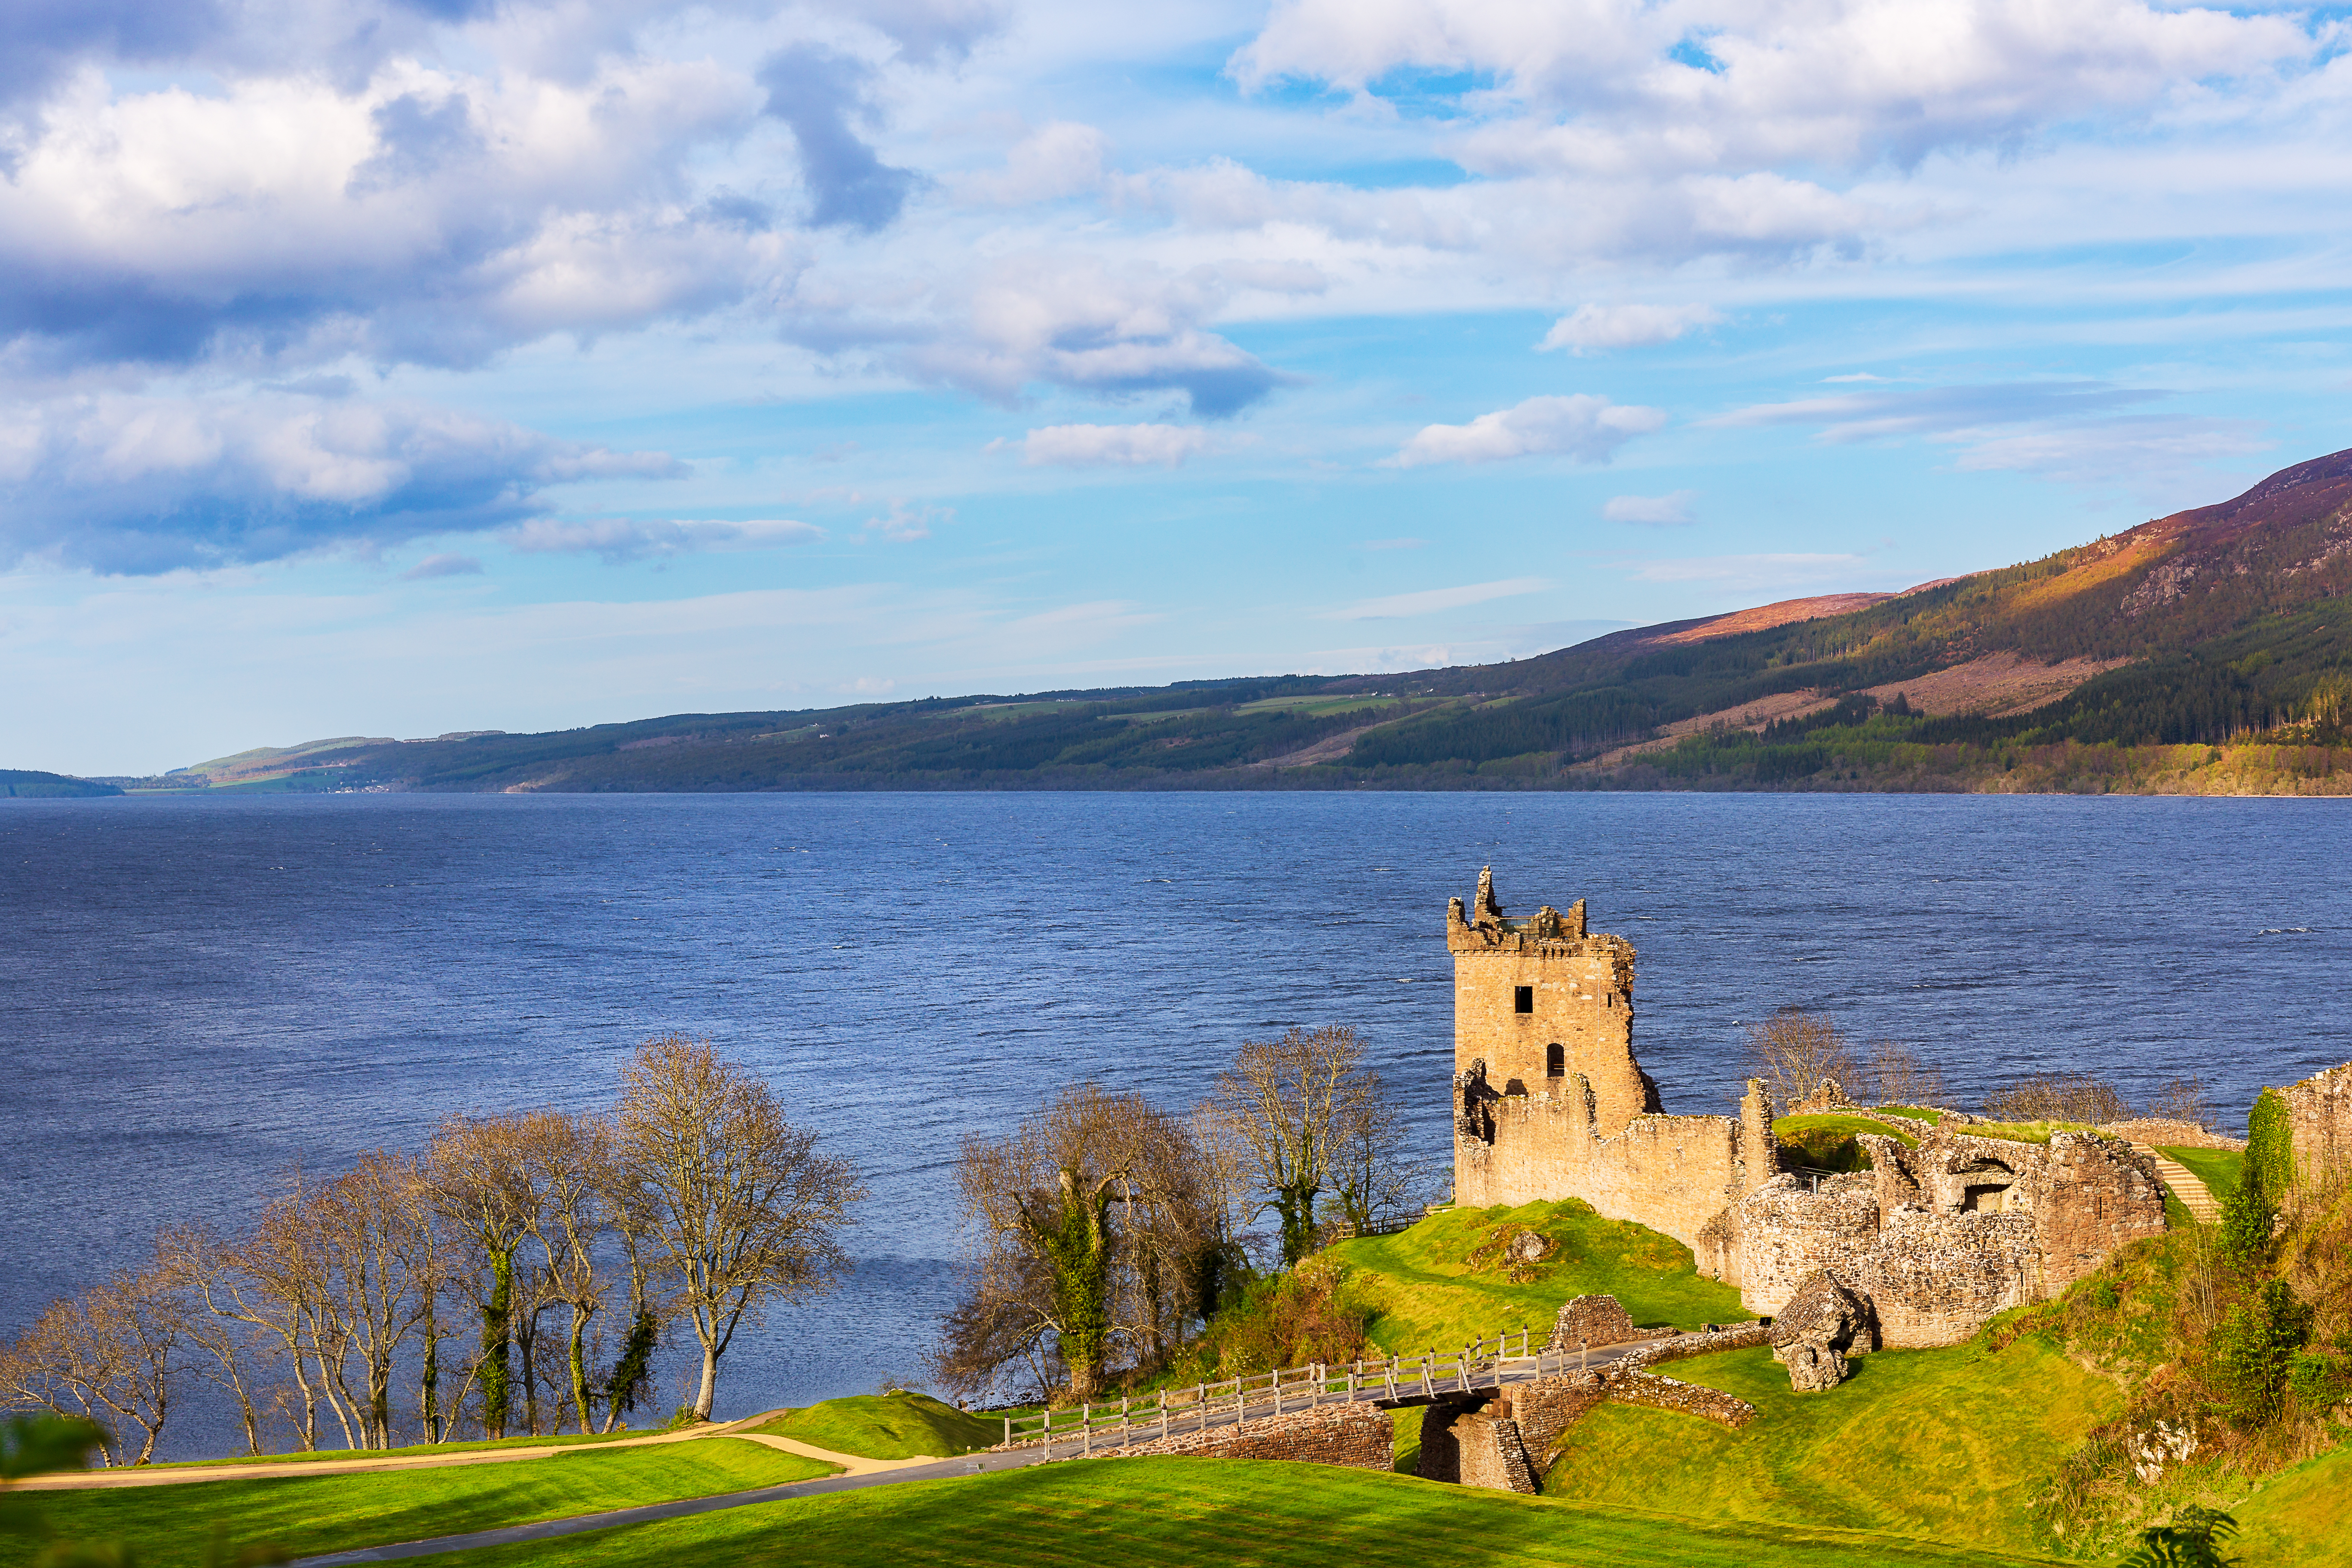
x,y
1550,1102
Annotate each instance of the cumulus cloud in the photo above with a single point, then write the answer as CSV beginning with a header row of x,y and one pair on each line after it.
x,y
928,31
1651,511
1076,321
1102,446
1063,159
1583,427
1594,328
619,540
132,485
434,567
907,521
819,92
1613,86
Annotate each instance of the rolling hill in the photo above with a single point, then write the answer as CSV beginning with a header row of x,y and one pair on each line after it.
x,y
2210,651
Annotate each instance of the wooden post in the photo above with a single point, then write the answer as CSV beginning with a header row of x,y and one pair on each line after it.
x,y
1163,1413
1200,1406
1087,1430
1276,1375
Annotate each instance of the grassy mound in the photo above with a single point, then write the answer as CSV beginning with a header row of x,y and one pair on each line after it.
x,y
1948,1445
2217,1168
170,1526
2301,1517
1448,1280
1150,1513
900,1425
1824,1139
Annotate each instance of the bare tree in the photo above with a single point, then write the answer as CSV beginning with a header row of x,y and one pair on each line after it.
x,y
201,1266
1896,1075
277,1283
1303,1105
375,1236
109,1356
1373,1173
1228,1195
747,1210
630,1386
473,1171
567,1158
1797,1053
2059,1096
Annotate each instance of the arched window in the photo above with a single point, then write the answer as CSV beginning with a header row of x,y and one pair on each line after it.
x,y
1554,1062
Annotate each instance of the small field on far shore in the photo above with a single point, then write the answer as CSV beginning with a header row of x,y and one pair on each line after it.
x,y
1951,1444
1447,1282
1233,1513
171,1526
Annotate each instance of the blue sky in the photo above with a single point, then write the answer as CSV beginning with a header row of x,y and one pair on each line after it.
x,y
393,366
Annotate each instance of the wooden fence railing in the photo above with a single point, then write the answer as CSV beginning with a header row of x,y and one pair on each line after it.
x,y
1482,1364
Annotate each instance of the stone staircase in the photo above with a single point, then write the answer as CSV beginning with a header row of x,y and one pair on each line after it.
x,y
2192,1193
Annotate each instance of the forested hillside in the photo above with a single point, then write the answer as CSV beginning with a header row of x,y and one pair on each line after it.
x,y
2210,650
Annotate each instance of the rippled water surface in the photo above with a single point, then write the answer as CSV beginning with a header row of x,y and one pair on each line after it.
x,y
195,994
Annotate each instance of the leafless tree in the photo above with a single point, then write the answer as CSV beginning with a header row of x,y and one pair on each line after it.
x,y
1797,1052
1229,1197
108,1354
201,1267
277,1283
373,1233
1896,1075
473,1173
746,1209
2059,1096
1313,1118
567,1159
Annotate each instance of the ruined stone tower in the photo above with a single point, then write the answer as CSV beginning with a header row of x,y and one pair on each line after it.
x,y
1550,1102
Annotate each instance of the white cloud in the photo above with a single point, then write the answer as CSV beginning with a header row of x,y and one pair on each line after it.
x,y
1584,428
617,540
1598,327
906,521
1428,601
129,484
1098,446
1653,511
434,567
1063,159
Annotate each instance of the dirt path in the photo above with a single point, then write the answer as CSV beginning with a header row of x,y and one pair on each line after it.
x,y
360,1464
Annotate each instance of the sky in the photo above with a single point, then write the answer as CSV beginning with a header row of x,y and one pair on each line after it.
x,y
394,367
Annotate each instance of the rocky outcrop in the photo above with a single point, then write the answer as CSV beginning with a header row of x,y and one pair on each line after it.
x,y
1811,1337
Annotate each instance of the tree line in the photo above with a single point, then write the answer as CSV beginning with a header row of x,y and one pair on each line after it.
x,y
523,1269
1106,1231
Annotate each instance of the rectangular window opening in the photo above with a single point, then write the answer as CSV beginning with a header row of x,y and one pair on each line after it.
x,y
1523,999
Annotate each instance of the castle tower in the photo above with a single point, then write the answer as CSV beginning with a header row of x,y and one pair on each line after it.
x,y
1541,1002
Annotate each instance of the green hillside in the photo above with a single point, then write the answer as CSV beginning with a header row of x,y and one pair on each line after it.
x,y
901,1425
2210,651
18,785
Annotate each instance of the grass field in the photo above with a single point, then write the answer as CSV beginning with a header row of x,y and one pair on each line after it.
x,y
2302,1517
1155,1513
1948,1445
888,1427
565,1440
1445,1281
2217,1168
169,1527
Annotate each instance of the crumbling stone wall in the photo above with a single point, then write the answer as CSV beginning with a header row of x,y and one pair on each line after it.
x,y
2319,1120
1475,1446
2162,1134
1591,1321
1788,1230
1358,1437
2088,1196
1647,1388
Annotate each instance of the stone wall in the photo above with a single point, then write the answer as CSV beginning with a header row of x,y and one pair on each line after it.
x,y
1731,1337
1360,1436
1787,1230
1591,1321
2169,1135
1474,1446
2319,1118
1647,1388
2089,1196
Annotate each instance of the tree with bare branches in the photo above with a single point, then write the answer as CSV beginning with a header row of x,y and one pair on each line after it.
x,y
747,1212
374,1230
109,1356
473,1172
1313,1118
201,1266
1797,1053
566,1159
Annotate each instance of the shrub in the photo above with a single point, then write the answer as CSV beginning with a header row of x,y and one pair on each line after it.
x,y
2254,1351
2059,1096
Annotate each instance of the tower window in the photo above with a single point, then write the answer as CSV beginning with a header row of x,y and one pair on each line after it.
x,y
1523,998
1555,1061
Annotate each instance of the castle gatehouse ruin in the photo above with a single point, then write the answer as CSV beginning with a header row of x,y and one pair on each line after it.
x,y
1550,1102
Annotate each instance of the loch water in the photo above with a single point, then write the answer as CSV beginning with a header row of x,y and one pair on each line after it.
x,y
196,994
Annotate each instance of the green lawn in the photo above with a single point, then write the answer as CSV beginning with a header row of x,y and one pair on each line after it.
x,y
1948,1445
889,1426
2302,1518
1443,1283
323,1456
1155,1513
169,1526
2217,1168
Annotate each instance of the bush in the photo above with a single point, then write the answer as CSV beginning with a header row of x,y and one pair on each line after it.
x,y
2254,1351
2059,1096
1289,1320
